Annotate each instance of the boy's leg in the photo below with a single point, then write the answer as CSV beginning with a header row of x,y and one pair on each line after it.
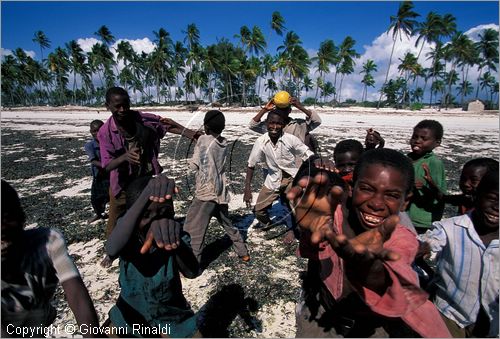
x,y
264,201
117,205
233,233
100,195
196,224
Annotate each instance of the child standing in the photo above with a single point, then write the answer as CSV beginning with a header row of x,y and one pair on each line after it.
x,y
466,281
279,150
152,251
33,262
99,191
359,281
426,206
211,194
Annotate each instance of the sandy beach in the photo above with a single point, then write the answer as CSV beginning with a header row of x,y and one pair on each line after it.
x,y
43,157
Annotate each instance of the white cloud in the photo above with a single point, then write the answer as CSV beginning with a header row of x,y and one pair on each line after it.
x,y
87,43
474,32
5,51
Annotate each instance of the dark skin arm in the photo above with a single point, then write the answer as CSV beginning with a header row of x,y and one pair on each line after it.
x,y
132,156
434,189
176,128
362,252
296,103
247,195
267,107
80,303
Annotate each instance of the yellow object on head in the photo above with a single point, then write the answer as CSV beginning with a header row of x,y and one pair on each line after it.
x,y
282,99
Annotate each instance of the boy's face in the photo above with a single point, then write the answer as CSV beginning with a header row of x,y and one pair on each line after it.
x,y
470,178
379,191
119,106
275,124
345,162
94,130
423,141
487,208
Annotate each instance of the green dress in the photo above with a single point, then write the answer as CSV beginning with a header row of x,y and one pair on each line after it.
x,y
425,209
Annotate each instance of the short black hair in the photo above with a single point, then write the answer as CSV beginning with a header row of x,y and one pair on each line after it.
x,y
11,204
348,145
96,124
116,91
388,158
215,121
284,111
278,113
488,183
489,163
433,125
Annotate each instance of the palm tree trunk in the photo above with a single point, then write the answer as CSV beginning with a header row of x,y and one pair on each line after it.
x,y
478,82
387,73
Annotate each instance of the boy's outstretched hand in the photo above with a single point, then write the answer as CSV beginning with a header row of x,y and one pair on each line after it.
x,y
314,204
161,188
165,233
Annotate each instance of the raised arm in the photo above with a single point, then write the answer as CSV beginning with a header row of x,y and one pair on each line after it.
x,y
176,128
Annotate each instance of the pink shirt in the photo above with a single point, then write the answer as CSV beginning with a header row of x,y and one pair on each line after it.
x,y
112,145
403,298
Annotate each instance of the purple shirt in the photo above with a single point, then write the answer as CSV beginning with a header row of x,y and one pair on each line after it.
x,y
112,144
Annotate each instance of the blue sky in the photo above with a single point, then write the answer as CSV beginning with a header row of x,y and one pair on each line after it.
x,y
314,22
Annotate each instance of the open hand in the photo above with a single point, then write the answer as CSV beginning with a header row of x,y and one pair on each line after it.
x,y
165,233
247,198
269,106
326,165
314,204
161,188
366,246
133,156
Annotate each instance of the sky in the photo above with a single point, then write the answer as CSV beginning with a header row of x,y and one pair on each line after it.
x,y
366,22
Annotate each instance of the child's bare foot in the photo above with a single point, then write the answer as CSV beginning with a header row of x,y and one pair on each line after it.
x,y
289,238
106,262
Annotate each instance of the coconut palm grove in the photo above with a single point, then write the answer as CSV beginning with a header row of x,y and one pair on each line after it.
x,y
240,70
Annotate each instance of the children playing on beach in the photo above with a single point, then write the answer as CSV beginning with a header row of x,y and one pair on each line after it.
x,y
152,250
130,144
466,282
33,262
99,191
359,281
211,194
279,150
298,127
426,206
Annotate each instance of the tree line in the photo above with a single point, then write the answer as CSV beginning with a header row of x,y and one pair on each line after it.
x,y
242,72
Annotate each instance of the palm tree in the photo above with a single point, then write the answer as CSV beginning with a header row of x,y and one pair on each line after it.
x,y
41,39
488,50
408,66
278,23
59,65
307,84
105,34
427,31
257,43
346,56
403,22
325,57
465,89
368,67
76,62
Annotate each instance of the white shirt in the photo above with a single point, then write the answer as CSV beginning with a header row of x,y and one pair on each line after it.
x,y
297,127
467,273
279,157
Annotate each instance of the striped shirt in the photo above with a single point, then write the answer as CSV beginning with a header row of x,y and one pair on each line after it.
x,y
467,274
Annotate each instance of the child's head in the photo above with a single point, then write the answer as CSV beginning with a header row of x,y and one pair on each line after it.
x,y
372,139
346,154
427,135
118,103
13,217
214,122
486,202
383,180
473,171
275,123
95,125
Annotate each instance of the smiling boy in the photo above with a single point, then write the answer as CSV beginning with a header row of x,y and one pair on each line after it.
x,y
425,205
466,279
359,281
